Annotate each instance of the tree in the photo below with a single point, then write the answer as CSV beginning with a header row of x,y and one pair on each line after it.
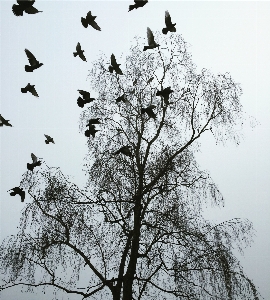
x,y
137,230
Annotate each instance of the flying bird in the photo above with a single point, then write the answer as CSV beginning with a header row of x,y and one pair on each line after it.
x,y
48,139
3,122
115,66
90,20
91,131
149,111
79,52
34,63
169,25
24,6
124,150
165,94
138,3
30,88
18,191
86,98
34,164
151,41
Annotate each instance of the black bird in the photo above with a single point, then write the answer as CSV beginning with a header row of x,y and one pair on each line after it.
x,y
93,121
30,88
48,139
124,150
138,3
165,94
86,98
149,111
34,164
18,191
34,63
90,20
4,122
79,52
151,41
24,6
169,25
115,66
122,98
91,131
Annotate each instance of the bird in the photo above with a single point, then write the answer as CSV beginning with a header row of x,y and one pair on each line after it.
x,y
86,98
149,80
30,88
48,139
122,98
124,150
34,164
149,111
115,66
165,94
151,41
169,25
90,20
18,191
93,121
24,6
79,52
3,122
135,81
91,131
138,3
34,63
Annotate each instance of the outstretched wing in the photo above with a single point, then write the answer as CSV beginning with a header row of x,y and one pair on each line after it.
x,y
31,10
168,20
113,60
78,47
85,94
33,91
34,158
150,36
31,57
95,25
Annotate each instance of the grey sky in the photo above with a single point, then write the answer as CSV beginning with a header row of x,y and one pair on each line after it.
x,y
223,36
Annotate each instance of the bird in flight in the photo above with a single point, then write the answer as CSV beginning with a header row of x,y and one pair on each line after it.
x,y
3,122
34,63
138,3
169,25
34,164
86,98
124,150
79,52
91,131
48,139
90,20
115,66
151,41
24,6
149,111
18,191
30,88
165,94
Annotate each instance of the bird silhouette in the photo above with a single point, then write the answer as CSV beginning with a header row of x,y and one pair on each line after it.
x,y
90,20
123,99
91,131
151,41
18,191
30,88
115,66
34,164
34,63
79,52
165,94
149,111
169,25
124,150
4,122
24,6
86,98
48,139
135,81
138,3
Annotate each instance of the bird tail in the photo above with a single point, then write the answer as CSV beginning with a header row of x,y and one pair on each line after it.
x,y
87,133
23,90
47,142
75,54
28,68
84,22
30,167
131,7
110,69
165,30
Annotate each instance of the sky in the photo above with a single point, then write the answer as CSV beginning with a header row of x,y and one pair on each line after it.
x,y
231,36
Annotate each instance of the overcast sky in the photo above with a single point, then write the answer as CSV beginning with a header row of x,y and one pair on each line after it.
x,y
223,37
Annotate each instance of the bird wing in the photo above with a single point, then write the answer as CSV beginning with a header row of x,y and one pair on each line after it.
x,y
31,10
168,20
78,47
26,2
47,137
2,119
33,91
113,60
85,94
94,25
140,1
31,57
81,55
34,158
150,36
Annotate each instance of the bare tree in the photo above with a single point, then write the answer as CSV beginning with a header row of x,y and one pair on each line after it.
x,y
137,230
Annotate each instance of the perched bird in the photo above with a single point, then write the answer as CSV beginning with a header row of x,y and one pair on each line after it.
x,y
48,139
79,52
169,25
91,131
115,66
4,122
86,98
30,88
34,164
151,42
124,150
93,121
149,111
150,80
24,6
122,98
90,20
138,3
165,94
34,63
18,191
